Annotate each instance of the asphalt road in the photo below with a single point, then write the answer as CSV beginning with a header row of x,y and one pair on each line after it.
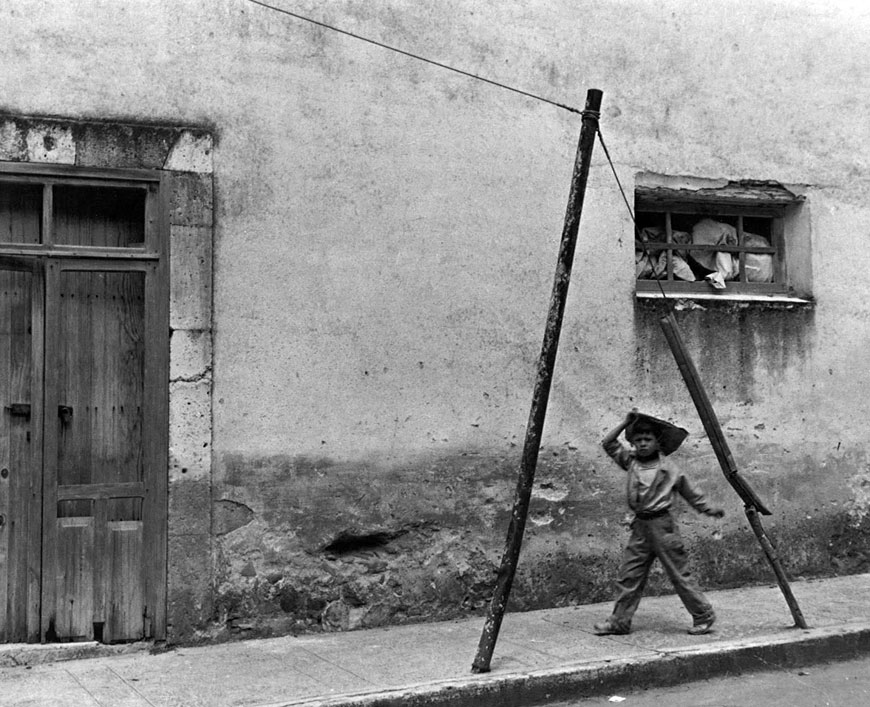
x,y
844,684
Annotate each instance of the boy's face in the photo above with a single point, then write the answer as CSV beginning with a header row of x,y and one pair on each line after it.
x,y
646,445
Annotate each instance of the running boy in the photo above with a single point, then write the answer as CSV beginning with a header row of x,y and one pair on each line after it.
x,y
653,479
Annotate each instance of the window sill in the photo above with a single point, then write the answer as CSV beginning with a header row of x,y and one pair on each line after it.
x,y
732,298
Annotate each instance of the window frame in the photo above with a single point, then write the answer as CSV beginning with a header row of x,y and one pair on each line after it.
x,y
737,201
48,176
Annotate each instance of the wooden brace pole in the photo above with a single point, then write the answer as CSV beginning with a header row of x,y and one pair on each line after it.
x,y
546,363
753,505
770,552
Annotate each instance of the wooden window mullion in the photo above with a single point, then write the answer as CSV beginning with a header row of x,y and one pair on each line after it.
x,y
47,214
153,242
777,233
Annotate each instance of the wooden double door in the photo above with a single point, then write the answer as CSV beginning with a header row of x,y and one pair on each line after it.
x,y
82,425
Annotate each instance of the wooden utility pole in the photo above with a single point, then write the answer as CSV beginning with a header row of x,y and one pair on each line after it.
x,y
546,363
752,504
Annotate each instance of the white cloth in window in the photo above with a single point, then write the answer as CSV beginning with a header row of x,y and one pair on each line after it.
x,y
759,266
726,266
654,265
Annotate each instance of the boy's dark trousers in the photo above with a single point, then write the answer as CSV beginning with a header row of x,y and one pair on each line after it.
x,y
651,538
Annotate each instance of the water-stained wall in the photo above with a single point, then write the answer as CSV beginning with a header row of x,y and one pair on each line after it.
x,y
384,239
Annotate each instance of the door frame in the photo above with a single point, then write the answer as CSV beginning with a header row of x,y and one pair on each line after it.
x,y
48,261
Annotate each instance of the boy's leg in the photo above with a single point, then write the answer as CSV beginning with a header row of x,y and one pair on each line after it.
x,y
637,559
669,548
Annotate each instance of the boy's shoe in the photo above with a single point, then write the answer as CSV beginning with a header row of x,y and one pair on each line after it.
x,y
607,628
700,629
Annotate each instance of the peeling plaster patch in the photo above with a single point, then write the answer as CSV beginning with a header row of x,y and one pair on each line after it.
x,y
191,153
50,143
548,493
349,541
540,520
13,147
654,179
859,507
230,516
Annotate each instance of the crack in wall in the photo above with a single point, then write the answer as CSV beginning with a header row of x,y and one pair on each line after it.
x,y
205,375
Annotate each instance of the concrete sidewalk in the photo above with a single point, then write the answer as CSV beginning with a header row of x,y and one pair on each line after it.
x,y
540,655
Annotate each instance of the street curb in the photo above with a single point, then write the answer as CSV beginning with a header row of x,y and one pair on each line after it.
x,y
653,669
29,654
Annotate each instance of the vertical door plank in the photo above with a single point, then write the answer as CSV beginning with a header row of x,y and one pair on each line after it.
x,y
74,574
100,562
34,487
7,394
20,467
16,468
55,361
84,374
65,302
131,375
75,381
98,348
17,370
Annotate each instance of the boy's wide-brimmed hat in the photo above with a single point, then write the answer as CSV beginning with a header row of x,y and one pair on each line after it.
x,y
670,436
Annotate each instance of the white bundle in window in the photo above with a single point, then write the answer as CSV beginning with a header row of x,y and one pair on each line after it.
x,y
726,266
759,266
710,232
655,267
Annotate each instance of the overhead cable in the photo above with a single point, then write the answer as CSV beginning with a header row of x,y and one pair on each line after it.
x,y
413,56
638,238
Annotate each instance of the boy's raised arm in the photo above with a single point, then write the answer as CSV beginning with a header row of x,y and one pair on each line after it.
x,y
615,432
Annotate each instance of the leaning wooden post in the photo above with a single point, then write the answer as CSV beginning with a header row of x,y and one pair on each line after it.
x,y
752,504
770,553
546,363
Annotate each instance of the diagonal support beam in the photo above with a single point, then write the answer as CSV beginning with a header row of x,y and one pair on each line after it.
x,y
752,504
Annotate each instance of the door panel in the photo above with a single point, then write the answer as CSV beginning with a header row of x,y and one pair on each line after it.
x,y
126,597
20,472
74,577
97,397
100,378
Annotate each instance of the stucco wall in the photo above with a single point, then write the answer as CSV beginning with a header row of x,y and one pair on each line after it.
x,y
385,234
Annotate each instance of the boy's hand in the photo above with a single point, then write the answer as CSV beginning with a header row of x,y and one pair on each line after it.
x,y
616,431
716,513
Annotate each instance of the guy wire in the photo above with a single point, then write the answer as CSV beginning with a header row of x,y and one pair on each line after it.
x,y
332,28
415,56
637,236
